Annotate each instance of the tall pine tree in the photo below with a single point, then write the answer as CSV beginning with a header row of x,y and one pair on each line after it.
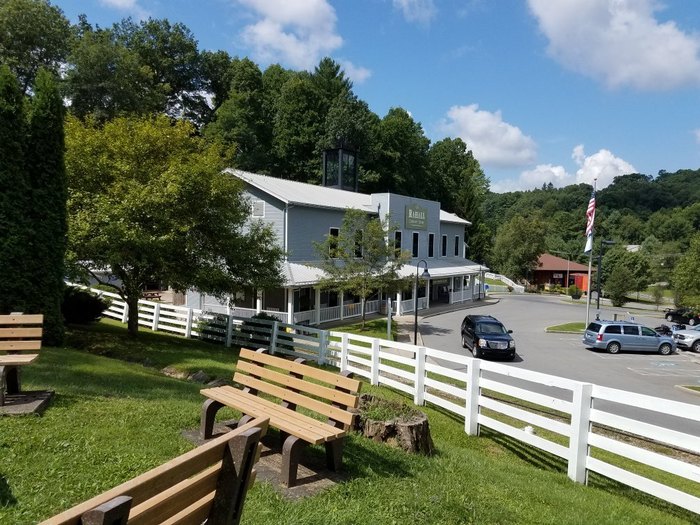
x,y
14,197
47,181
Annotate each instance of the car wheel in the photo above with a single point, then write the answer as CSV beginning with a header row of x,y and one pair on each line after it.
x,y
692,321
476,352
665,349
696,346
669,318
613,348
464,342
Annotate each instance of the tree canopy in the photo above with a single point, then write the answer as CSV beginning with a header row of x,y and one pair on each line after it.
x,y
149,202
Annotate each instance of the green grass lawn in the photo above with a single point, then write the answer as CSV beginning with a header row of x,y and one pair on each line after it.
x,y
112,419
574,328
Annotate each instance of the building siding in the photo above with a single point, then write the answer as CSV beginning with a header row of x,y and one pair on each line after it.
x,y
274,211
308,225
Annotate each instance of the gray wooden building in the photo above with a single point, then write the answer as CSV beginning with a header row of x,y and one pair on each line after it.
x,y
300,214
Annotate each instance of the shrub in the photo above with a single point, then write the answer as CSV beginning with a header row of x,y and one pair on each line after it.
x,y
82,307
574,291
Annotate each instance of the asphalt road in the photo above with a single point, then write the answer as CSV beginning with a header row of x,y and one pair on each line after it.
x,y
564,355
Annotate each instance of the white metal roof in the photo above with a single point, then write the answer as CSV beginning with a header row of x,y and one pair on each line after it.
x,y
301,274
293,192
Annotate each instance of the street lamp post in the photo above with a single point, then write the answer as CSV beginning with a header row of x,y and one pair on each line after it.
x,y
426,275
603,244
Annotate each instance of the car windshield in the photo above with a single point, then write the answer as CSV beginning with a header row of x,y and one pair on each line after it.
x,y
491,328
593,327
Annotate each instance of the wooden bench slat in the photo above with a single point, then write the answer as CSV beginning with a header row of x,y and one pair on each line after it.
x,y
300,425
320,407
17,360
195,514
20,345
332,378
20,333
22,319
176,498
282,418
331,394
154,481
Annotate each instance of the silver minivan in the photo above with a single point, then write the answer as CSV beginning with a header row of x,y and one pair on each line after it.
x,y
615,336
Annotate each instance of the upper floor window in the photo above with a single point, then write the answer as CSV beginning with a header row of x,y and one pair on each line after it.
x,y
397,243
358,244
333,242
414,252
258,208
456,245
431,245
443,252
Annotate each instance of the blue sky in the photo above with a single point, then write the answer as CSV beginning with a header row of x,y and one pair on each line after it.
x,y
557,91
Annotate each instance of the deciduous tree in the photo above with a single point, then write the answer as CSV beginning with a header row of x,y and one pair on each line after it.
x,y
148,201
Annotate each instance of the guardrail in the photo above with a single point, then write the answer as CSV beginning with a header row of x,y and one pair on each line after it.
x,y
579,422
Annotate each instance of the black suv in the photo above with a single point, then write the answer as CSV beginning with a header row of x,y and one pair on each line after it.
x,y
682,315
485,335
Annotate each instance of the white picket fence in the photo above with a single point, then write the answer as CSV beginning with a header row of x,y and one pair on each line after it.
x,y
569,419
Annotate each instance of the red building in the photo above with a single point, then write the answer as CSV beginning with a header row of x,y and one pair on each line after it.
x,y
553,270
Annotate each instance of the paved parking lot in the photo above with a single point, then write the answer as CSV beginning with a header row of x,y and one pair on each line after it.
x,y
564,355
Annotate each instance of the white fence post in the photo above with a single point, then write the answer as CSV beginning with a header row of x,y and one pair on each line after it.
x,y
188,326
125,313
471,420
273,337
580,426
420,377
229,330
322,347
156,317
375,361
344,352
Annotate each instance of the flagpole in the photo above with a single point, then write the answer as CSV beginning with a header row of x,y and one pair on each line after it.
x,y
590,267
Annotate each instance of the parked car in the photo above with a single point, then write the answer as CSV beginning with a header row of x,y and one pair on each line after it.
x,y
688,339
615,336
485,336
683,315
664,329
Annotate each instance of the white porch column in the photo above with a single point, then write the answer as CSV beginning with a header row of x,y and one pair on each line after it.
x,y
427,294
317,303
471,285
258,301
398,304
415,296
290,306
342,306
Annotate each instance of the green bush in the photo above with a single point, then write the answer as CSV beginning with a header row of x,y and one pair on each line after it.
x,y
82,307
574,291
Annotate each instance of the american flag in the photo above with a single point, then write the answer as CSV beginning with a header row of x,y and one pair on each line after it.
x,y
590,215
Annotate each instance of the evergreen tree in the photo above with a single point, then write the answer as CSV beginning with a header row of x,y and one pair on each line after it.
x,y
47,181
14,197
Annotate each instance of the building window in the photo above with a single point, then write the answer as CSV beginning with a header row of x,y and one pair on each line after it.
x,y
333,242
431,245
397,243
415,244
258,208
443,252
456,245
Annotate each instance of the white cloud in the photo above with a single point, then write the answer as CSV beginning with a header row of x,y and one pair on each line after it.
x,y
131,6
295,32
603,166
619,42
535,178
493,141
357,74
421,11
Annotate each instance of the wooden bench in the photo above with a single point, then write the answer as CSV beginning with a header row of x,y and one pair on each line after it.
x,y
20,340
208,483
332,395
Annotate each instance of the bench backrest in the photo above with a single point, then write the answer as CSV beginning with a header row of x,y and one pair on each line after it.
x,y
207,483
20,332
327,393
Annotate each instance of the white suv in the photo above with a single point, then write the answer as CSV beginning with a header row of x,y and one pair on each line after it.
x,y
688,339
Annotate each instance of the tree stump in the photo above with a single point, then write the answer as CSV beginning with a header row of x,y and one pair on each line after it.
x,y
405,427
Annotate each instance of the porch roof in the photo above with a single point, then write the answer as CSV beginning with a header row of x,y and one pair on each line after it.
x,y
305,274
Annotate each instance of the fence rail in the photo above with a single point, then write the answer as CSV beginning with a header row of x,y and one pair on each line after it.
x,y
570,419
